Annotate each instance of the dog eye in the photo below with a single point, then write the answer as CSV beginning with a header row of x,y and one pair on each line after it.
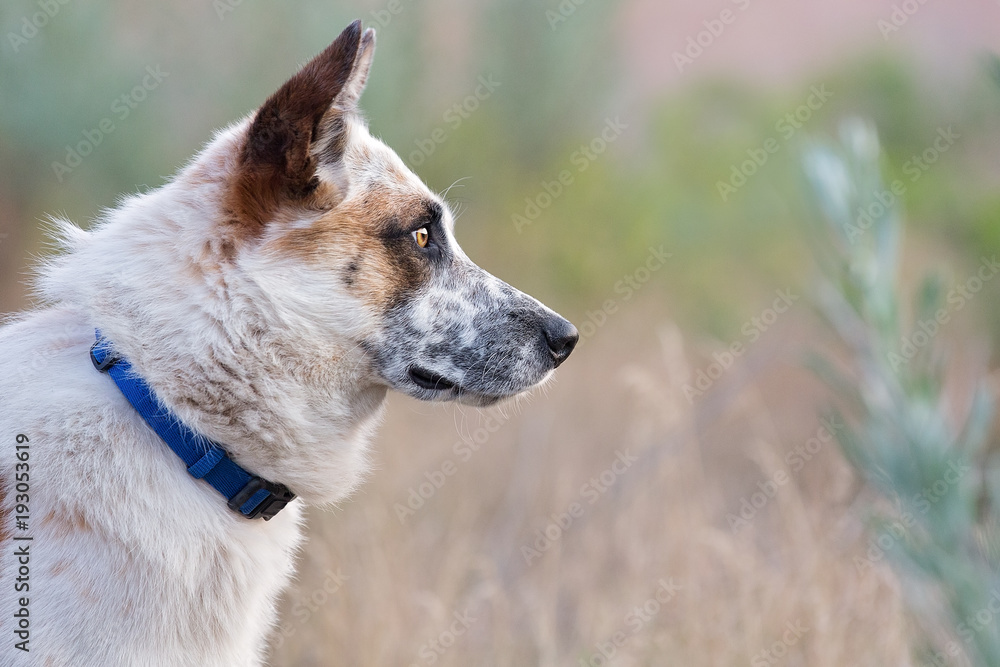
x,y
422,237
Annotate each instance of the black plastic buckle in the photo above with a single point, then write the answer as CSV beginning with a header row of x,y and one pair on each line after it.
x,y
110,358
278,497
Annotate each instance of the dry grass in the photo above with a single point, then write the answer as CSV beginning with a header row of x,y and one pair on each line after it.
x,y
664,519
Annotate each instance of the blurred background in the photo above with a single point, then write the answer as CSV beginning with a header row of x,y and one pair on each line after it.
x,y
674,495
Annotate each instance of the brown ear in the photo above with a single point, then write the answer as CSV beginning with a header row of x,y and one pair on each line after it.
x,y
278,160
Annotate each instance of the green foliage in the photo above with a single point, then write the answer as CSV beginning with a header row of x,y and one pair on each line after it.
x,y
933,469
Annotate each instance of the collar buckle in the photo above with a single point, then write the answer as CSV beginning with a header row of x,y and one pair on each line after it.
x,y
102,356
275,499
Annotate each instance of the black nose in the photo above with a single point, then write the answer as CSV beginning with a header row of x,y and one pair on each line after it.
x,y
561,336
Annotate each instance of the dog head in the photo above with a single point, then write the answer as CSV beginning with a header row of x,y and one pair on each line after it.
x,y
378,269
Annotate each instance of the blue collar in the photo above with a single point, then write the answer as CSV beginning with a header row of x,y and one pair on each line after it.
x,y
246,494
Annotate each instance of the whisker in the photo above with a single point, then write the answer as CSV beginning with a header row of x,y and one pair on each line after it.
x,y
444,195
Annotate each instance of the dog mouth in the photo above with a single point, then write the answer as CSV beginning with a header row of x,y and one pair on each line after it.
x,y
444,387
425,379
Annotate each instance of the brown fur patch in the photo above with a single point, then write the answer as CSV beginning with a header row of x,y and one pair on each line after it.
x,y
366,241
64,526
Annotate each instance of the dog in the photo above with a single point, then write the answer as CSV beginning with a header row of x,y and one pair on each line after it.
x,y
213,355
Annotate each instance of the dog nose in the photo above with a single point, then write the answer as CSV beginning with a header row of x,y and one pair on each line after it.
x,y
561,336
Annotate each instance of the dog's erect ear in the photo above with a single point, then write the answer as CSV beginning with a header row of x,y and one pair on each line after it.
x,y
278,158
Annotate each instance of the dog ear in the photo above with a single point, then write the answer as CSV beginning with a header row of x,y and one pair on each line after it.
x,y
278,159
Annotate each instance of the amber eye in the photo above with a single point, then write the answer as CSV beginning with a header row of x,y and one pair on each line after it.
x,y
421,236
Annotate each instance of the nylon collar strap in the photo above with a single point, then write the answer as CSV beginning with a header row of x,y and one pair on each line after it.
x,y
247,494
